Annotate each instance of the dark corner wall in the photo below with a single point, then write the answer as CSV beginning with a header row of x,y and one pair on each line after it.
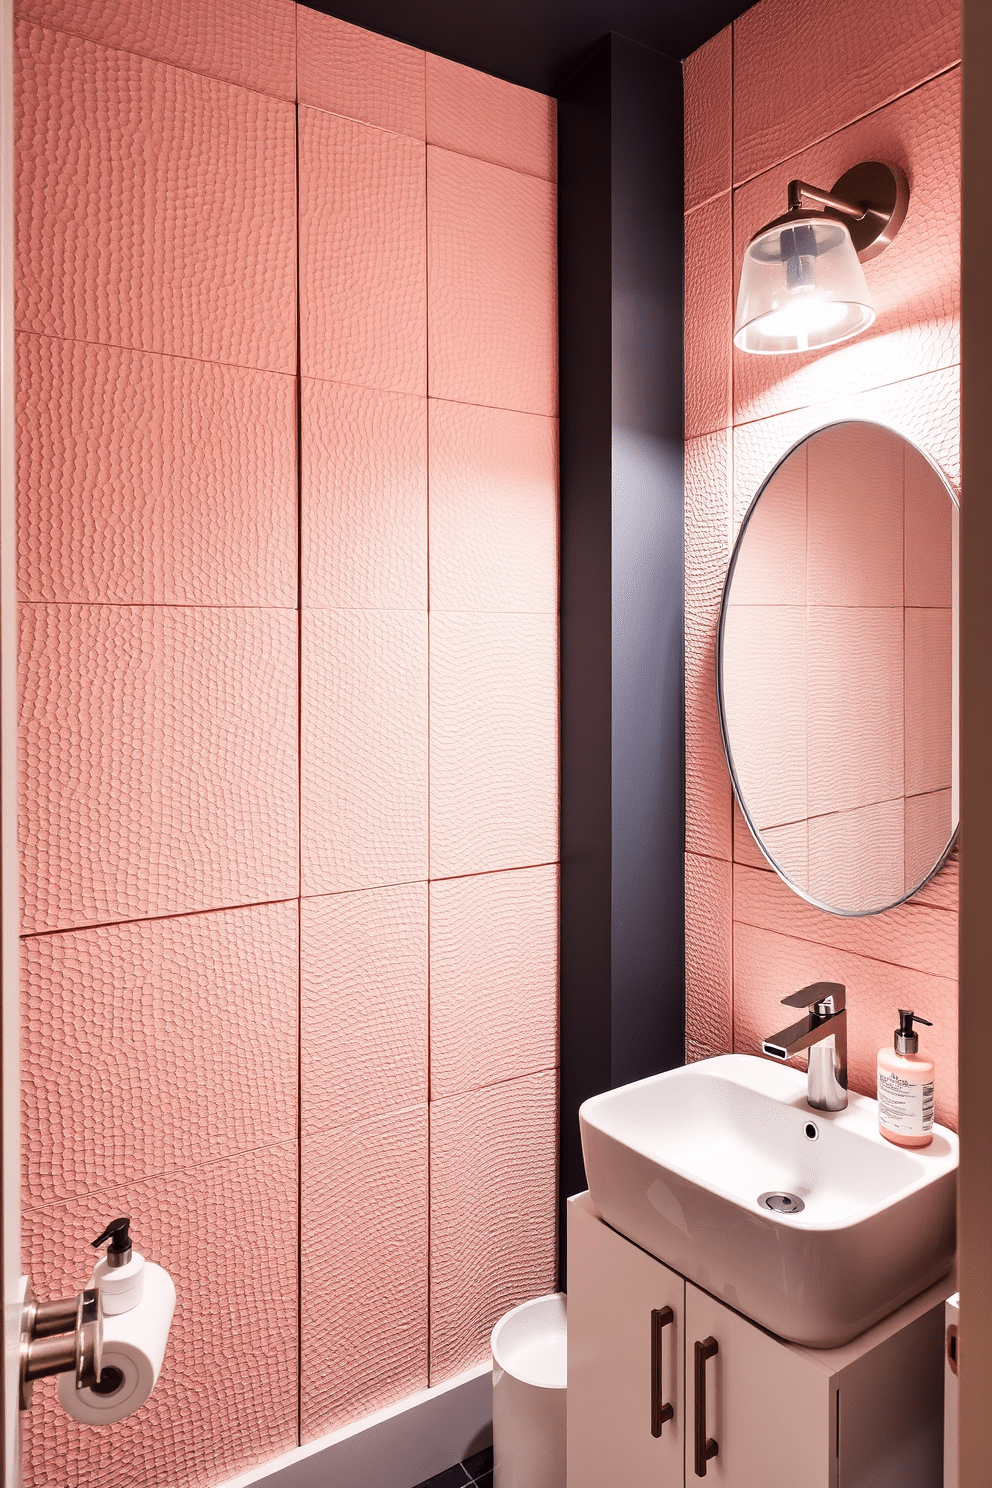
x,y
622,709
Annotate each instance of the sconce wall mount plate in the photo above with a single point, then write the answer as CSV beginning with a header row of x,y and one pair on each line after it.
x,y
802,286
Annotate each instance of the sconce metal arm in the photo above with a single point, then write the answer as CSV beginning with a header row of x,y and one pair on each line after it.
x,y
800,191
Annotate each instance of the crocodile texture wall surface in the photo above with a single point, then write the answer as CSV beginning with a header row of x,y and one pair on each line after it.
x,y
749,939
288,708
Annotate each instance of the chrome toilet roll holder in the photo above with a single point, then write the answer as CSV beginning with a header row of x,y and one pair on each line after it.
x,y
67,1334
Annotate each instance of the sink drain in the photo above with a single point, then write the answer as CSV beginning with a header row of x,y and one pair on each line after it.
x,y
782,1203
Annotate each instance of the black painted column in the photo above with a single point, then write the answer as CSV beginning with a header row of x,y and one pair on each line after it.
x,y
622,712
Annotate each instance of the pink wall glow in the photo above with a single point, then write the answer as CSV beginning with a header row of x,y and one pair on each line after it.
x,y
289,778
749,939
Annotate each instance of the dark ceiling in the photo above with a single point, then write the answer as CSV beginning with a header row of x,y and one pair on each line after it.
x,y
536,42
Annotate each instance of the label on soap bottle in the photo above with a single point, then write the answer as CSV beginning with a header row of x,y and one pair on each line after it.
x,y
904,1106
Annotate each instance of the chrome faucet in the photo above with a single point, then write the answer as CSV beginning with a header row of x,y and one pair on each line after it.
x,y
824,1033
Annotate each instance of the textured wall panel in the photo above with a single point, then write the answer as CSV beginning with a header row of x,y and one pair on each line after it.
x,y
851,58
347,70
494,978
709,134
227,1234
708,488
363,1004
931,535
363,291
155,207
158,761
364,749
929,824
364,1269
364,498
493,509
490,119
924,409
855,517
254,46
494,742
854,749
942,891
771,562
764,687
857,858
144,479
768,966
493,1181
929,701
709,1027
707,779
709,316
157,1046
914,283
746,850
492,272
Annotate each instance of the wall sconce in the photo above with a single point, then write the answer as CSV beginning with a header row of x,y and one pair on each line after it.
x,y
802,285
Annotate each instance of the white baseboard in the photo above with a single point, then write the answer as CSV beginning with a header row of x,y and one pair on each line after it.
x,y
395,1448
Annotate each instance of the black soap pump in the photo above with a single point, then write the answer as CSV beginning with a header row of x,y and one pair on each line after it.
x,y
905,1086
120,1273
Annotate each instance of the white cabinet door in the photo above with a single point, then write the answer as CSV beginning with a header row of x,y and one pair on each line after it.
x,y
625,1355
767,1408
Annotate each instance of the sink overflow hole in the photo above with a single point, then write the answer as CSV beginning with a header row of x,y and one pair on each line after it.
x,y
782,1203
811,1130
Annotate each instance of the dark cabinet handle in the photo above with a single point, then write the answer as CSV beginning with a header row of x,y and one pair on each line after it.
x,y
706,1447
660,1412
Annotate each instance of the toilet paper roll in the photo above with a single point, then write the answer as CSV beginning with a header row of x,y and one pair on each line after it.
x,y
134,1344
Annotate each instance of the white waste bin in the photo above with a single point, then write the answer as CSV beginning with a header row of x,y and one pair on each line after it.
x,y
529,1375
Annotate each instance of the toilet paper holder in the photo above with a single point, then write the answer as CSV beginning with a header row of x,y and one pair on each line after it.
x,y
60,1336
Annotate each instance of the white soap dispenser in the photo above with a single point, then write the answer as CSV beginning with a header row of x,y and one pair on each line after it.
x,y
120,1274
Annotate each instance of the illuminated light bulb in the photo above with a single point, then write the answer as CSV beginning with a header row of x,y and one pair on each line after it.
x,y
802,288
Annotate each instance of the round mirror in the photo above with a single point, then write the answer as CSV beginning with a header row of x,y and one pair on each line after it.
x,y
837,668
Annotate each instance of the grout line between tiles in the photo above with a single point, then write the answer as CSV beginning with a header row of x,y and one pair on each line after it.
x,y
173,914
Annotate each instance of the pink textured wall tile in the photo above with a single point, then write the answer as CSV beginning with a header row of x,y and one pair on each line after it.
x,y
348,70
254,47
494,742
852,59
709,939
707,779
707,79
942,890
364,749
854,751
925,410
929,824
913,284
494,978
132,174
771,562
493,509
768,966
493,1184
929,701
788,847
708,496
931,535
187,1025
709,316
764,688
492,257
226,1233
364,1269
912,934
363,292
158,761
151,479
855,516
364,498
490,119
746,850
363,1004
857,858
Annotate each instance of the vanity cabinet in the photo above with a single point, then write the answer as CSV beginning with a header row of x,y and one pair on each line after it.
x,y
867,1415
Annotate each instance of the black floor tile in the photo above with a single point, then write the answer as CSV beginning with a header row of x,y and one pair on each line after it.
x,y
486,1481
479,1463
452,1477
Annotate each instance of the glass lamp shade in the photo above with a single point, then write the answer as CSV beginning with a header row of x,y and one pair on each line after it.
x,y
802,287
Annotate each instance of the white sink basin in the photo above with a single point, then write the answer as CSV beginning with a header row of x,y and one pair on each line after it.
x,y
678,1163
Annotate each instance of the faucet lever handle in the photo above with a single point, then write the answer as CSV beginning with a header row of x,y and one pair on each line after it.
x,y
817,992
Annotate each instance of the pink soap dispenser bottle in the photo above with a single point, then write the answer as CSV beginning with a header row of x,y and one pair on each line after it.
x,y
905,1087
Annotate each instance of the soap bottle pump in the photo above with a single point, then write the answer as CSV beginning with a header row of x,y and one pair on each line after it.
x,y
905,1086
119,1274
